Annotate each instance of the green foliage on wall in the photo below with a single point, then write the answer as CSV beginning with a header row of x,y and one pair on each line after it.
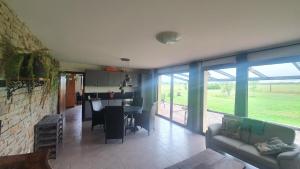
x,y
21,65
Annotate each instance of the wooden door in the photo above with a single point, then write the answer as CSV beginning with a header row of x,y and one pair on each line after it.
x,y
70,91
62,94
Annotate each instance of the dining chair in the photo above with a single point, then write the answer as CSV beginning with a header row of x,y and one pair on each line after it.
x,y
146,119
137,101
115,121
97,113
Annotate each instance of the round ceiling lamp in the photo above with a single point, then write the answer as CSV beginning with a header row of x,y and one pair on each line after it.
x,y
168,37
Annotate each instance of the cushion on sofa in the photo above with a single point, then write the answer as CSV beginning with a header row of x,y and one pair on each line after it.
x,y
256,128
245,132
287,135
250,152
231,127
273,146
226,143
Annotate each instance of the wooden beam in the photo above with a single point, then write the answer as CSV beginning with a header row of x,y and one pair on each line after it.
x,y
296,65
180,78
259,78
225,74
259,74
181,74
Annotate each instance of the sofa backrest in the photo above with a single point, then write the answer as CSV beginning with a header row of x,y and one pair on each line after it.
x,y
285,134
254,131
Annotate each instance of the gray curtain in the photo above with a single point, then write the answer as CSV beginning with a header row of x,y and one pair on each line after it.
x,y
149,89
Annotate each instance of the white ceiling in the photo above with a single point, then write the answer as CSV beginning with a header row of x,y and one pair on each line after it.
x,y
101,31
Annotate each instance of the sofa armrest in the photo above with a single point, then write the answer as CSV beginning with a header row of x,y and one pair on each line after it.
x,y
290,159
289,155
213,129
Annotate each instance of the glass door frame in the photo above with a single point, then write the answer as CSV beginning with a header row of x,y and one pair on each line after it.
x,y
171,98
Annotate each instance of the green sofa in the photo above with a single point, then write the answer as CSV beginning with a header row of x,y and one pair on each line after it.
x,y
243,147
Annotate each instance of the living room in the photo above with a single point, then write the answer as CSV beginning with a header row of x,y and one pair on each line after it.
x,y
149,84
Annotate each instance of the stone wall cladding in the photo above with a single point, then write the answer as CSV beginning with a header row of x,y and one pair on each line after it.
x,y
20,113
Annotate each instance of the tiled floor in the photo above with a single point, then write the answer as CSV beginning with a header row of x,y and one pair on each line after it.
x,y
84,149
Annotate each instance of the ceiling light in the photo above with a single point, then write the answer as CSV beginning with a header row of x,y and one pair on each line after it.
x,y
168,37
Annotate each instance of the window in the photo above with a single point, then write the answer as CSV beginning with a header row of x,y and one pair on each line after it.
x,y
274,93
221,90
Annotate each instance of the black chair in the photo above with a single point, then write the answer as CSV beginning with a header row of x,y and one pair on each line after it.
x,y
146,119
97,113
115,121
137,101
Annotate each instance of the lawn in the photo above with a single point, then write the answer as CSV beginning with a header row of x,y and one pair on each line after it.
x,y
278,103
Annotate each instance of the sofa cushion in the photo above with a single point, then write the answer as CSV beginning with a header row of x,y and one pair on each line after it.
x,y
245,131
286,134
256,128
250,153
226,143
231,127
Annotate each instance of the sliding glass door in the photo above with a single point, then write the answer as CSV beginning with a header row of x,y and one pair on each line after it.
x,y
173,97
180,98
164,95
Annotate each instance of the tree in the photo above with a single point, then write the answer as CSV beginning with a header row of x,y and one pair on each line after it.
x,y
227,87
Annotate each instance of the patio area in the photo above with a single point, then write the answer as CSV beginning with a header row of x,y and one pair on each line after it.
x,y
180,116
179,112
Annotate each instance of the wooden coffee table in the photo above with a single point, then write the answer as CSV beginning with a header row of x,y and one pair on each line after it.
x,y
208,159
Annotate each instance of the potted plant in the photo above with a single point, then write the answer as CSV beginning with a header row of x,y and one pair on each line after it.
x,y
26,70
41,66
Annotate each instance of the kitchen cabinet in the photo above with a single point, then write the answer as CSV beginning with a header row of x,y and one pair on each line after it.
x,y
91,78
113,79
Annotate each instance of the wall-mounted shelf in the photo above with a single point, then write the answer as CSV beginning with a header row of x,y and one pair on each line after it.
x,y
30,84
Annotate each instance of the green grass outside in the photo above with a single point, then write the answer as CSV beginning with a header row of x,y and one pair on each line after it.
x,y
278,103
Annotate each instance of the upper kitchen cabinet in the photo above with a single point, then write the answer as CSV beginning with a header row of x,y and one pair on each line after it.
x,y
103,78
91,78
115,78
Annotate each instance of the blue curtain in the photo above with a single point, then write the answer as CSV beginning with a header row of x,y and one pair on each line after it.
x,y
195,98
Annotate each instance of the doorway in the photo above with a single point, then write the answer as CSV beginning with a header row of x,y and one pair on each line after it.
x,y
71,90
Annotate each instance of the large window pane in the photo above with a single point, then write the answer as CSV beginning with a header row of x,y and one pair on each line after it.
x,y
221,90
275,100
180,97
164,89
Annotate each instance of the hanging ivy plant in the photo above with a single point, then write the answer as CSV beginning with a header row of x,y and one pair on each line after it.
x,y
26,71
31,67
41,65
11,59
12,67
53,74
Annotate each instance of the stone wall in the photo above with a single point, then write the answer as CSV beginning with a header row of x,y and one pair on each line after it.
x,y
20,113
